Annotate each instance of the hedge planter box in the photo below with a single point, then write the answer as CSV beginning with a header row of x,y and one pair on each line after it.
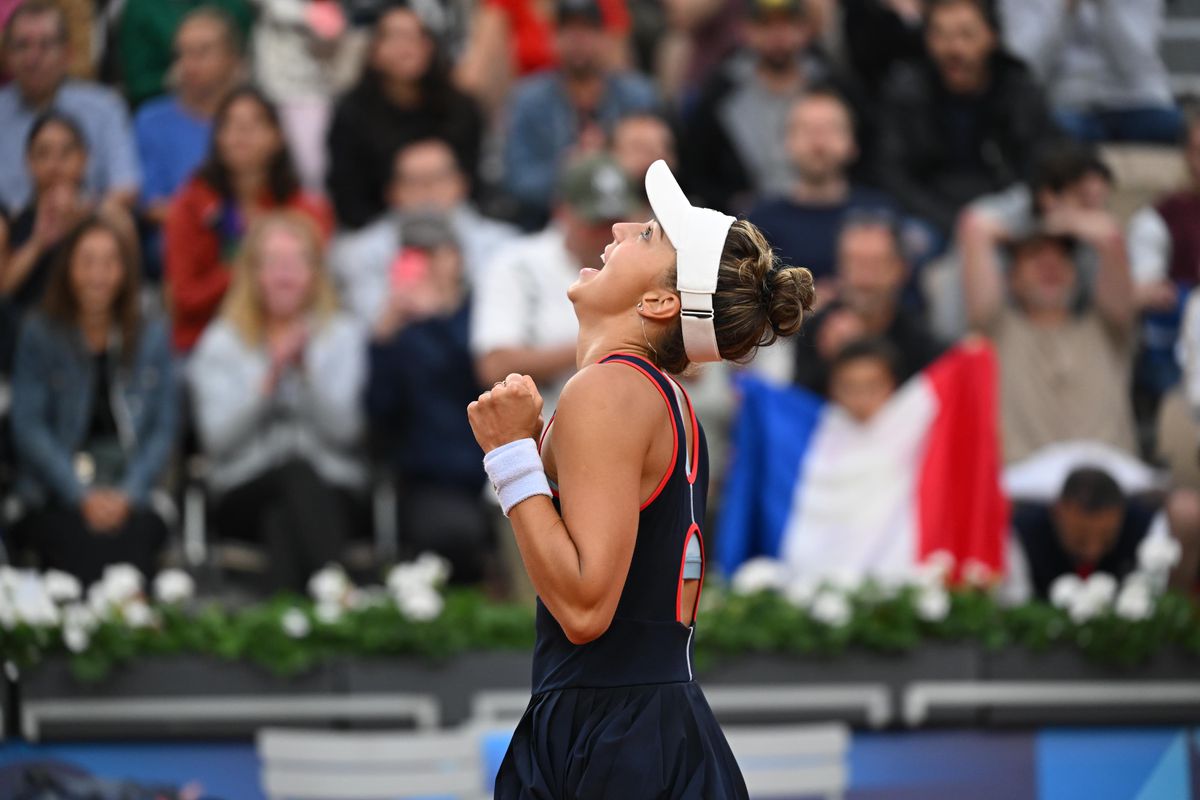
x,y
1163,690
185,695
454,682
847,686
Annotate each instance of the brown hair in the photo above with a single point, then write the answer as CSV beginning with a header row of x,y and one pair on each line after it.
x,y
60,304
758,300
243,306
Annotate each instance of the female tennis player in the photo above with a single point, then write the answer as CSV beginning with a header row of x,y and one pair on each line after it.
x,y
608,514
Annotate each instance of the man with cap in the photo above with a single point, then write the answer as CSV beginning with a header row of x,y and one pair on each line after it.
x,y
737,144
568,111
421,373
1065,348
522,320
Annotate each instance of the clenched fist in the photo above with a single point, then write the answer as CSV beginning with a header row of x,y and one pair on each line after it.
x,y
510,410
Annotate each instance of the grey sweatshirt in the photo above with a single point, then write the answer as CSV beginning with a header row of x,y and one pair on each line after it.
x,y
315,413
1101,55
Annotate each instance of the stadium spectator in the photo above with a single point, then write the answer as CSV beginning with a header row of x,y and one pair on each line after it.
x,y
35,48
56,157
863,376
427,178
699,36
1164,239
1101,66
521,319
803,225
871,276
248,171
1066,175
879,34
568,111
146,40
1065,352
305,54
95,411
277,386
966,121
421,379
638,140
173,131
513,39
1094,527
405,95
736,143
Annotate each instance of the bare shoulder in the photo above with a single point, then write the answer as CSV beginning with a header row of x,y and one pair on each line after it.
x,y
610,398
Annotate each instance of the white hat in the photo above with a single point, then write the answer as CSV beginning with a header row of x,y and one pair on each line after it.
x,y
698,235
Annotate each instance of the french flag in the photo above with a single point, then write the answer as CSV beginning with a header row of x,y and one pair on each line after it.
x,y
834,498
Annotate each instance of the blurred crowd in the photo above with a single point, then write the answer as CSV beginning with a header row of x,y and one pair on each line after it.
x,y
273,248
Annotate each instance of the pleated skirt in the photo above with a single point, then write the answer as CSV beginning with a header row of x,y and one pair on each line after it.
x,y
650,742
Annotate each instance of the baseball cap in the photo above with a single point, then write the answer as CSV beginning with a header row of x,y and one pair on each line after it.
x,y
1038,235
596,189
580,11
698,235
760,9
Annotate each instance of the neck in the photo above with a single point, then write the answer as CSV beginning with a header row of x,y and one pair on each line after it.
x,y
830,190
95,327
40,101
401,93
878,320
780,81
593,345
202,104
1048,317
247,187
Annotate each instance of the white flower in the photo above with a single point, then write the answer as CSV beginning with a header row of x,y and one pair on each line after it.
x,y
801,591
1135,602
977,573
759,575
1101,588
1065,589
1158,553
174,586
97,600
328,612
434,568
34,607
330,585
121,582
936,569
61,586
9,578
76,639
137,614
831,608
295,623
78,615
933,604
420,606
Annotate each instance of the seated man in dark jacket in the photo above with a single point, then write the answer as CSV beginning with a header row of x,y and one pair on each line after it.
x,y
965,122
1094,527
421,378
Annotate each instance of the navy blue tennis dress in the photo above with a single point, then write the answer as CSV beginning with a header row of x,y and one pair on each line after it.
x,y
621,717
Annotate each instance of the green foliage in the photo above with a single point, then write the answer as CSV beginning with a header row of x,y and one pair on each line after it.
x,y
870,618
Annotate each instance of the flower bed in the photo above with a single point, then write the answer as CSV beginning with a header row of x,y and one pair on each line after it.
x,y
762,612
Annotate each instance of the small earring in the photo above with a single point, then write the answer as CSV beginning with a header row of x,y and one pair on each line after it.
x,y
639,306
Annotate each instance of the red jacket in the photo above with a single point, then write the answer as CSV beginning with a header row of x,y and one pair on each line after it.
x,y
201,239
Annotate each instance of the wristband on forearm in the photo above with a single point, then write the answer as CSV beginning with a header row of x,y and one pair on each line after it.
x,y
516,472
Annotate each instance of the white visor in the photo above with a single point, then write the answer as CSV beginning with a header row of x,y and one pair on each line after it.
x,y
698,235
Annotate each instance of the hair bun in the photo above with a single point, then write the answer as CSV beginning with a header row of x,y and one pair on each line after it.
x,y
789,292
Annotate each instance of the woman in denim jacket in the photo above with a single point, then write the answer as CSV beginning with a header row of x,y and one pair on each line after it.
x,y
95,409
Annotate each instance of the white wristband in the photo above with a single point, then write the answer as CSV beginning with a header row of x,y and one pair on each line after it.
x,y
515,470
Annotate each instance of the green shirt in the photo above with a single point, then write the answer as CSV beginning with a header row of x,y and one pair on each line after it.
x,y
147,39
